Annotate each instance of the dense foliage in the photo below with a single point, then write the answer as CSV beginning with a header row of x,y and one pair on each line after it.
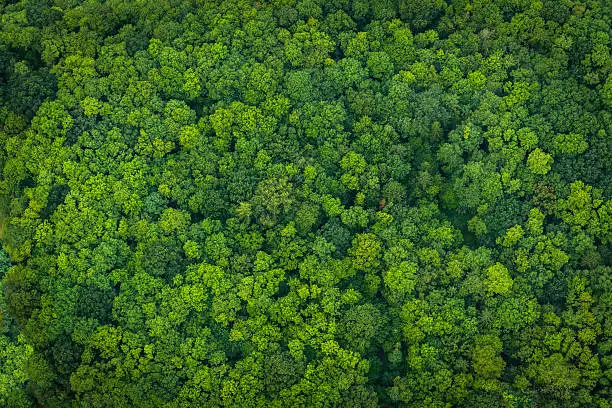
x,y
306,203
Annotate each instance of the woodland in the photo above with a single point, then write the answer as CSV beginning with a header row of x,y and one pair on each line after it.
x,y
306,203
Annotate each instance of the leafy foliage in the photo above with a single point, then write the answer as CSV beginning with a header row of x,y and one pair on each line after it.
x,y
305,203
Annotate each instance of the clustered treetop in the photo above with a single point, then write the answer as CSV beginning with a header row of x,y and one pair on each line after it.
x,y
306,203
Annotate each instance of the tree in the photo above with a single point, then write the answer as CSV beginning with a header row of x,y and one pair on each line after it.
x,y
539,162
305,203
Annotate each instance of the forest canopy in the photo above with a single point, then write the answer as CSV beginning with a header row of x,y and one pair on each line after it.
x,y
306,203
